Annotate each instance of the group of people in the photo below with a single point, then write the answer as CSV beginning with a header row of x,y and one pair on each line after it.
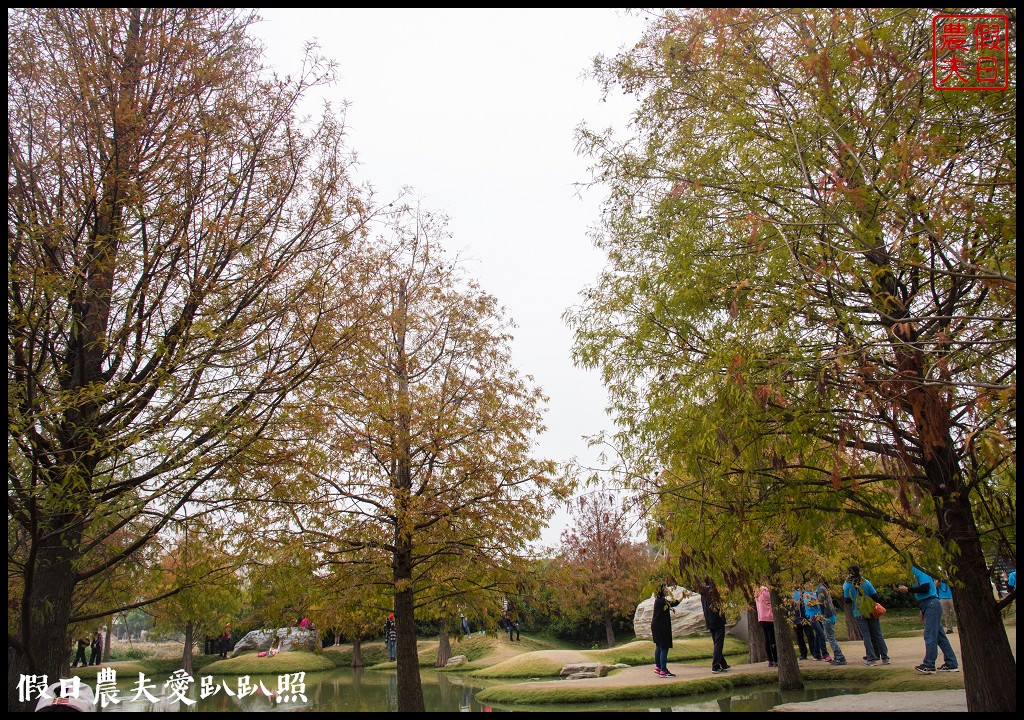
x,y
813,617
509,624
95,646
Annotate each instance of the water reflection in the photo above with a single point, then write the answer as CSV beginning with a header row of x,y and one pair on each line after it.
x,y
753,700
761,700
339,690
348,690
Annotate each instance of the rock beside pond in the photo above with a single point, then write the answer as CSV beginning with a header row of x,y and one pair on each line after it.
x,y
574,671
292,638
455,661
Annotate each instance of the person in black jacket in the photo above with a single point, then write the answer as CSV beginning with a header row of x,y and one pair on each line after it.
x,y
97,649
83,643
714,618
661,629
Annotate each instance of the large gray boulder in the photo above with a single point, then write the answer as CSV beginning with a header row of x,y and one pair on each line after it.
x,y
292,638
687,617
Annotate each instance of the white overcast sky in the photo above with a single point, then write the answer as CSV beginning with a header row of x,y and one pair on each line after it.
x,y
476,110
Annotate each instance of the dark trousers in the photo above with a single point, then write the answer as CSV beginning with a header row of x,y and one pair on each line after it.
x,y
768,628
820,643
80,656
513,627
802,632
718,642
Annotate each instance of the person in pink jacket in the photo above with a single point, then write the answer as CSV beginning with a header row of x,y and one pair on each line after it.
x,y
765,618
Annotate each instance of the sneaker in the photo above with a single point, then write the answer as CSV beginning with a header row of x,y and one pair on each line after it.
x,y
718,670
667,674
659,671
946,667
804,657
926,669
870,663
827,658
885,661
949,631
839,661
772,664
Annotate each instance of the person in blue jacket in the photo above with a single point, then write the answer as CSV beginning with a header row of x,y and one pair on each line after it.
x,y
854,589
819,650
931,610
828,620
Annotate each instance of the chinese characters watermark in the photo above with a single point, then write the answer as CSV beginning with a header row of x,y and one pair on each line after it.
x,y
291,687
970,52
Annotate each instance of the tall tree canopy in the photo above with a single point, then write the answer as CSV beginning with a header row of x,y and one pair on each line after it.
x,y
810,291
426,454
172,226
607,568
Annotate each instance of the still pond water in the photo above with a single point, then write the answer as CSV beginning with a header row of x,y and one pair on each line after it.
x,y
347,690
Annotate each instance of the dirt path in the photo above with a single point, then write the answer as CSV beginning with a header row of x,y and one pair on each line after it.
x,y
903,652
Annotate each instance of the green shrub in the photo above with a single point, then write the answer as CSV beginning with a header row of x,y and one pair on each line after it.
x,y
128,653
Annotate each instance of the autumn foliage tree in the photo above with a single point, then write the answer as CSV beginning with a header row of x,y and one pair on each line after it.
x,y
425,455
810,291
609,569
199,572
172,225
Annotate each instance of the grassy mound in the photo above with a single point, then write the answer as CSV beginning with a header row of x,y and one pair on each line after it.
x,y
286,662
689,649
528,665
561,694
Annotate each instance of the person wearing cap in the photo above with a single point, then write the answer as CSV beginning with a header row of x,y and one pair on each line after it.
x,y
391,637
854,589
931,610
76,698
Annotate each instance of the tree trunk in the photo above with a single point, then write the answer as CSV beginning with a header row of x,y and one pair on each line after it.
x,y
757,650
41,648
186,655
410,689
444,647
790,677
989,668
357,653
609,630
51,577
106,640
